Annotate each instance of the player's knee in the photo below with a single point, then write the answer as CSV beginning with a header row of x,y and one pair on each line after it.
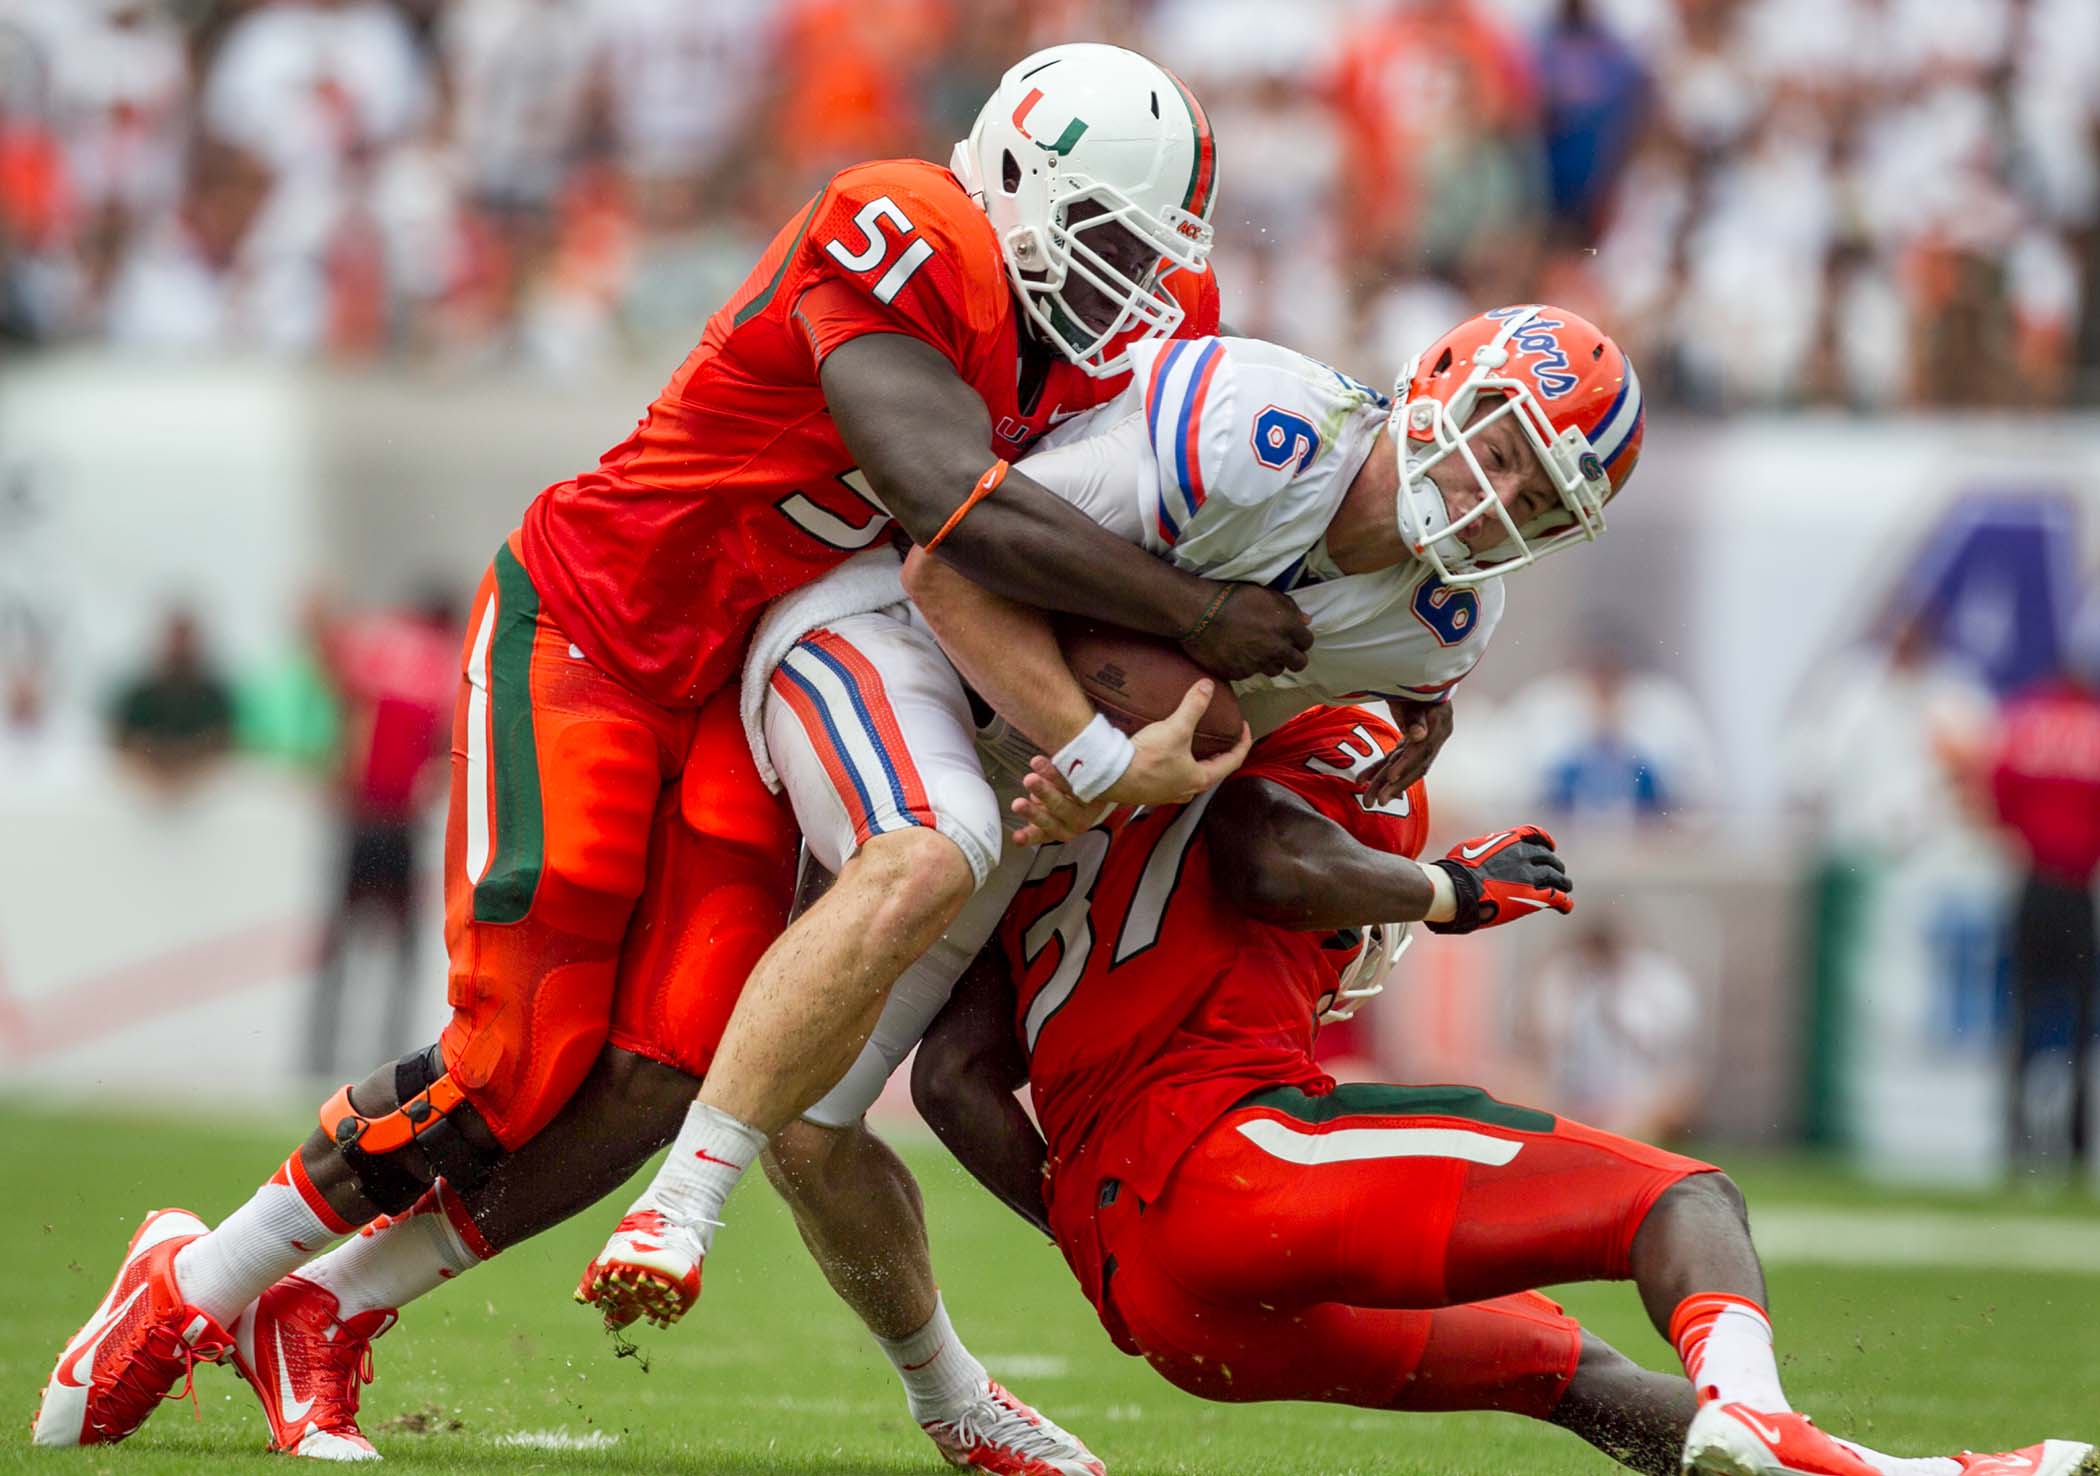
x,y
922,876
1709,1197
395,1133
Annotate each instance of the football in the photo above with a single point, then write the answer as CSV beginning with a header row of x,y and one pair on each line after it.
x,y
1135,679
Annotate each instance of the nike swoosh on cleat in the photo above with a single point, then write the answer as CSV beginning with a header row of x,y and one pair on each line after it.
x,y
294,1408
1475,852
1769,1433
87,1349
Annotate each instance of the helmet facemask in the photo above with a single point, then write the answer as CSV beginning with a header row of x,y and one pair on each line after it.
x,y
1084,298
1451,428
1364,979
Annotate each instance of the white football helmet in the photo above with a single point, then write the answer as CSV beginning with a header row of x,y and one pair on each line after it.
x,y
1093,125
1364,979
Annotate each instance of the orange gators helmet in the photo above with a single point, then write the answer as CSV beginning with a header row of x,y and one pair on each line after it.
x,y
1576,398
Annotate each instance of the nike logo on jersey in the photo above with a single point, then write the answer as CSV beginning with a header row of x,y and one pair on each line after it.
x,y
1059,416
290,1405
1480,848
70,1367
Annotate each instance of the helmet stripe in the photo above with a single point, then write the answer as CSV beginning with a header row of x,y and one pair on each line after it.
x,y
1604,421
1621,423
1203,171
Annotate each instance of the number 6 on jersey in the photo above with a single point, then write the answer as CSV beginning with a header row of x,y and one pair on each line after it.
x,y
875,247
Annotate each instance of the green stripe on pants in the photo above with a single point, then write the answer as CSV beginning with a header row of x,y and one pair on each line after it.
x,y
504,893
1376,1099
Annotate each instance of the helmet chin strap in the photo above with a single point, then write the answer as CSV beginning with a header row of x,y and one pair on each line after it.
x,y
1427,499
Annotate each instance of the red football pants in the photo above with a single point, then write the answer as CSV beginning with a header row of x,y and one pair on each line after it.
x,y
1378,1246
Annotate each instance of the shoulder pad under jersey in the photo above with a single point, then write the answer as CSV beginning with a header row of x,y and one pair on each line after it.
x,y
1253,446
907,233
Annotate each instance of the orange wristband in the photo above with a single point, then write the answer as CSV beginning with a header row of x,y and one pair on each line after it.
x,y
986,486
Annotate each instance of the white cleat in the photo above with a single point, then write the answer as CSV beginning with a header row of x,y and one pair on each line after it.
x,y
126,1358
1736,1440
1000,1435
650,1268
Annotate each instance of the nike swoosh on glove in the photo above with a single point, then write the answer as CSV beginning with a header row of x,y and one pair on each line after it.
x,y
1503,876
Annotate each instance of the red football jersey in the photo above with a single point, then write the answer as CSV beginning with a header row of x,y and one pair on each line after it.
x,y
1147,1004
735,486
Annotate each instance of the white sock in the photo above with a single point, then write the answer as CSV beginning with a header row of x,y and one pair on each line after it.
x,y
1889,1465
284,1226
707,1158
940,1375
391,1262
1726,1344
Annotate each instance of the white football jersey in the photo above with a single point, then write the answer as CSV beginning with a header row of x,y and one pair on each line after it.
x,y
1229,456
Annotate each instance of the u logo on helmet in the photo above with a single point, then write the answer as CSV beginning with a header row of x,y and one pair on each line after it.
x,y
1066,141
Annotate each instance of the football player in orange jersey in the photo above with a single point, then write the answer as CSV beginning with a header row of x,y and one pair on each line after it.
x,y
1257,1231
614,867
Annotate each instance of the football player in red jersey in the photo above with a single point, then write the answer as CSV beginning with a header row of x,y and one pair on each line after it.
x,y
1257,1231
615,869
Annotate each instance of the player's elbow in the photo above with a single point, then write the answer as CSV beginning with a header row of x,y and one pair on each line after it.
x,y
925,580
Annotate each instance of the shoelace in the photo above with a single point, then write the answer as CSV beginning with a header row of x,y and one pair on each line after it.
x,y
134,1393
342,1363
1006,1426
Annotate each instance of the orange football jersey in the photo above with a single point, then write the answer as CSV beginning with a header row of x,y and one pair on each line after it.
x,y
1146,1002
735,487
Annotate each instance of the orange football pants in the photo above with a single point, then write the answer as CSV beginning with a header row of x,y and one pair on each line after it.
x,y
613,867
1377,1246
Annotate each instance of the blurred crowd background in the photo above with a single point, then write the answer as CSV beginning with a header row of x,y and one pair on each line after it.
x,y
1854,202
300,301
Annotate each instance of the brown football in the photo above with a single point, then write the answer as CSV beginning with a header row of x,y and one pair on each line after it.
x,y
1137,679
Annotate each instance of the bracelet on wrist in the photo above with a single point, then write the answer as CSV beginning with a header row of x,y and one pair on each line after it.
x,y
1210,613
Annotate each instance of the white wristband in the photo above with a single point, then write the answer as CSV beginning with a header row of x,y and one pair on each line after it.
x,y
1095,759
1443,896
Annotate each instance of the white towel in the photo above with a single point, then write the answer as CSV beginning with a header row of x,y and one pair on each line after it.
x,y
871,580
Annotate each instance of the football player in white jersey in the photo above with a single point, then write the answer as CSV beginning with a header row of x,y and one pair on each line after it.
x,y
1392,523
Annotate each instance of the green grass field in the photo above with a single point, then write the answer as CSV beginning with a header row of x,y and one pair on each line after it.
x,y
772,1375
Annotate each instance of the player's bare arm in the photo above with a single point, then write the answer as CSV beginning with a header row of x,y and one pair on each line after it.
x,y
963,1081
1280,861
1009,653
918,433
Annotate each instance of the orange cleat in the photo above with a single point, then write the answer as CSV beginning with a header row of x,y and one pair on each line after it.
x,y
650,1268
1001,1435
116,1370
308,1366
